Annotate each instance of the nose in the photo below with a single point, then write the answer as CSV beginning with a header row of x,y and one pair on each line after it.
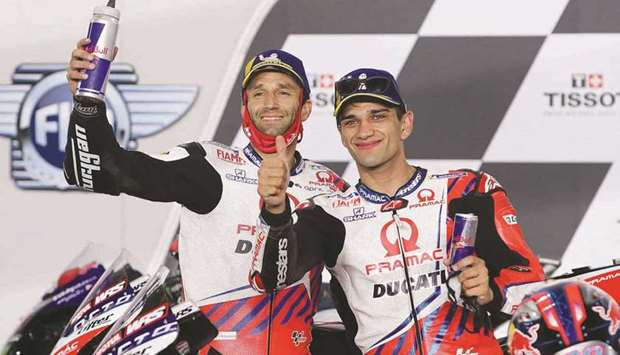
x,y
365,129
271,101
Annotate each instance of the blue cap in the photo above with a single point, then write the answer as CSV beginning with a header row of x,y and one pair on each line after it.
x,y
277,60
367,82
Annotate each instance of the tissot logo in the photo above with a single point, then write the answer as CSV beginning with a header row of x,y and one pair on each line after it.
x,y
38,103
594,81
588,91
322,86
322,81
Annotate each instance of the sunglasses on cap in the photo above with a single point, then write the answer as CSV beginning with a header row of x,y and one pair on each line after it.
x,y
379,87
372,85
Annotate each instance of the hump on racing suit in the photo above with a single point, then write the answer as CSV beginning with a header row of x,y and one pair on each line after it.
x,y
355,234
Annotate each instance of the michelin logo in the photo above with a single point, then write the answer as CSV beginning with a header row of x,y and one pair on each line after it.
x,y
35,111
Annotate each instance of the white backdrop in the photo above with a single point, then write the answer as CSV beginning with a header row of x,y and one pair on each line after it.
x,y
478,75
168,42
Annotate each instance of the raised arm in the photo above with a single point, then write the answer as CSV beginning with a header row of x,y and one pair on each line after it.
x,y
284,251
95,161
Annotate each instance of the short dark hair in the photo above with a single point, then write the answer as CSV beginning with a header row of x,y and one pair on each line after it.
x,y
400,110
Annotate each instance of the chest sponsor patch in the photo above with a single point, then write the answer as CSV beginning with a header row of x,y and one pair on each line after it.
x,y
360,213
416,283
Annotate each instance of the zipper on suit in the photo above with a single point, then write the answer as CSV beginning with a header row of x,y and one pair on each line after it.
x,y
419,337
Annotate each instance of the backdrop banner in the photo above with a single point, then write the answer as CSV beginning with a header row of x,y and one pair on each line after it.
x,y
528,91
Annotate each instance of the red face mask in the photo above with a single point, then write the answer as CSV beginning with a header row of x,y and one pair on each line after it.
x,y
266,143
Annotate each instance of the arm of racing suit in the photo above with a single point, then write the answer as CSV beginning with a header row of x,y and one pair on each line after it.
x,y
95,161
499,239
285,251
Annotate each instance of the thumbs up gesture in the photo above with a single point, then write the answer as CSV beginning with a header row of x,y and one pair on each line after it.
x,y
273,177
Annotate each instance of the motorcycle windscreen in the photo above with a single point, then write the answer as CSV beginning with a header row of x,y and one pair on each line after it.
x,y
105,303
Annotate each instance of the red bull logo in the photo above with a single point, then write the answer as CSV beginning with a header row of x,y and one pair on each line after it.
x,y
611,314
522,344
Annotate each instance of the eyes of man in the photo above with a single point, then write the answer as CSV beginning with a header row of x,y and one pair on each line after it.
x,y
281,92
352,121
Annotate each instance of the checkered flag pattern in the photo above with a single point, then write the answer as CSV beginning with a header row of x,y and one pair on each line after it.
x,y
528,91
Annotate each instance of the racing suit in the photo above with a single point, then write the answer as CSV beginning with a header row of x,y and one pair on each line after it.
x,y
216,185
370,241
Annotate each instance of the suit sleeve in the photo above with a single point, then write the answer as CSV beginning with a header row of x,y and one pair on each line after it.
x,y
284,251
499,239
95,161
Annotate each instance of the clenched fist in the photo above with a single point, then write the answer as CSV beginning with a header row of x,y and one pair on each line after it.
x,y
273,177
474,279
80,62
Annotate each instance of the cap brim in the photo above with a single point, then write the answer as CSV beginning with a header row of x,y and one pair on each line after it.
x,y
361,94
270,67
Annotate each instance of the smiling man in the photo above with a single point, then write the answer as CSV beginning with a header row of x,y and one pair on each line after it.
x,y
216,185
386,239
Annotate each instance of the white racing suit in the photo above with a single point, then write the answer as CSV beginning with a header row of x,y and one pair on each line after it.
x,y
370,242
216,185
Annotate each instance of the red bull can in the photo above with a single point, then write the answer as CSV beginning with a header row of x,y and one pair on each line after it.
x,y
463,237
102,34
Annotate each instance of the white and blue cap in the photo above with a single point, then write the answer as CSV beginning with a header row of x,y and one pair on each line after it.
x,y
277,60
367,82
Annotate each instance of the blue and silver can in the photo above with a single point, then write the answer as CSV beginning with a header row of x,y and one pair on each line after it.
x,y
463,237
102,33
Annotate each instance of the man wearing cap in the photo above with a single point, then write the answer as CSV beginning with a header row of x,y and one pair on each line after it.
x,y
216,185
387,239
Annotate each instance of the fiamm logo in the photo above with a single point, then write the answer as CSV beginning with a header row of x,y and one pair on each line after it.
x,y
35,111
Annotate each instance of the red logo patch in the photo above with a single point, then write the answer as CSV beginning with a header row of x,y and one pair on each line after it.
x,y
426,195
409,244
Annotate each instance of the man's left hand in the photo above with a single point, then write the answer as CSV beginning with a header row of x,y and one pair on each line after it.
x,y
474,279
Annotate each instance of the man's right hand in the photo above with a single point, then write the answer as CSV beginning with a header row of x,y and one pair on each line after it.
x,y
273,177
80,62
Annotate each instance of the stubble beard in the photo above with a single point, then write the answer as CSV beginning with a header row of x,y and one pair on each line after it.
x,y
274,131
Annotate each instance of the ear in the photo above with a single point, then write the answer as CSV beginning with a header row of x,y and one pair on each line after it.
x,y
306,109
406,125
242,109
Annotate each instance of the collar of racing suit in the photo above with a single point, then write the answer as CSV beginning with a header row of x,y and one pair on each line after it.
x,y
256,159
410,186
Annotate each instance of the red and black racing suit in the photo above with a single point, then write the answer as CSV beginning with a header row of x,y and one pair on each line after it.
x,y
216,185
370,241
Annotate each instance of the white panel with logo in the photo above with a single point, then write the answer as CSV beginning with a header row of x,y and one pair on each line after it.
x,y
568,110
